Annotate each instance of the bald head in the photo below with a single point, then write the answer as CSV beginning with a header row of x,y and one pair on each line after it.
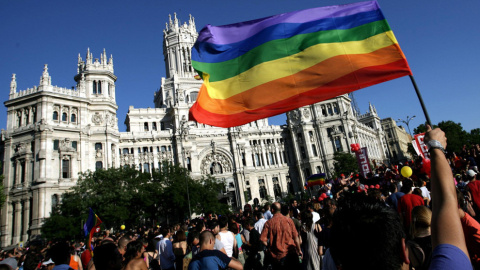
x,y
276,206
207,240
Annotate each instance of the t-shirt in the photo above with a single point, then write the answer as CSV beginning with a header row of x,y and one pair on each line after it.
x,y
447,256
471,230
405,206
209,259
474,188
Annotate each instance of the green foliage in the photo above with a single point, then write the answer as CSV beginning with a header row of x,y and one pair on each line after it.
x,y
455,134
125,196
344,163
474,136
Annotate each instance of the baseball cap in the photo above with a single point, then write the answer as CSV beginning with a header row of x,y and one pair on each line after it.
x,y
471,173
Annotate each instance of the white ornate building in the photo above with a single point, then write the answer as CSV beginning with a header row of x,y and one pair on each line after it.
x,y
54,133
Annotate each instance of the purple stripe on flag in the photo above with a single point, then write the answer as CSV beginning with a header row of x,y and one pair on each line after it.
x,y
232,33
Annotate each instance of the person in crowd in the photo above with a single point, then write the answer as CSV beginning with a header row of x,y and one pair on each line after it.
x,y
165,250
210,258
471,229
151,256
260,221
215,229
268,214
420,246
315,215
254,248
179,248
281,238
227,237
133,256
122,244
407,202
473,190
75,262
395,196
311,258
60,255
107,257
11,259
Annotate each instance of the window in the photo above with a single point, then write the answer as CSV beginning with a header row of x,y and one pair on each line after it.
x,y
154,126
262,189
189,164
73,118
162,126
302,152
64,117
270,158
330,111
145,126
324,111
193,96
319,170
55,116
99,87
74,145
257,160
314,150
108,89
248,195
338,145
146,168
22,171
335,108
276,188
163,148
98,165
145,149
94,87
98,146
299,136
65,168
55,144
244,162
125,151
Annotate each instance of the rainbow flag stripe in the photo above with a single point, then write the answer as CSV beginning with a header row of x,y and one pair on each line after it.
x,y
316,179
260,68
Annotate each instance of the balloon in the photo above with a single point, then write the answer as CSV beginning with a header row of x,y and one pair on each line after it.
x,y
122,227
406,171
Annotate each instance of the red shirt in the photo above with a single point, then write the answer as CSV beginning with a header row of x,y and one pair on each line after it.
x,y
405,205
474,188
471,230
280,230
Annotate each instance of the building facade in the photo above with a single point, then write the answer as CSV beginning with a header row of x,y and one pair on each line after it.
x,y
398,140
53,133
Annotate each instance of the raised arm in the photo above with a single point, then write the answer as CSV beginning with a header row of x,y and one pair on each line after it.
x,y
446,226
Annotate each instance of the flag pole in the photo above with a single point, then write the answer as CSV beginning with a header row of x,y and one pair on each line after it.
x,y
421,100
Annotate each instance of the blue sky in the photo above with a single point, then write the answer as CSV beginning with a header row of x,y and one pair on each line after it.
x,y
439,38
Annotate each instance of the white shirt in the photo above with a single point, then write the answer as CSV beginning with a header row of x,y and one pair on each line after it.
x,y
316,217
259,225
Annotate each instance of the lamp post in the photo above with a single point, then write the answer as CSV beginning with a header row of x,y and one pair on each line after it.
x,y
183,132
407,122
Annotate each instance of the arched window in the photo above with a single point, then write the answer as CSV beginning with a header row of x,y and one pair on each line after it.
x,y
99,84
73,118
145,126
216,168
55,116
193,96
94,87
64,117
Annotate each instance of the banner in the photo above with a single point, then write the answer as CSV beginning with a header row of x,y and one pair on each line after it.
x,y
419,145
363,161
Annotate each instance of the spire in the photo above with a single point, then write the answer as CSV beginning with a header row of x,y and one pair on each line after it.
x,y
370,107
79,59
88,59
13,84
170,21
175,20
191,23
104,57
110,62
45,79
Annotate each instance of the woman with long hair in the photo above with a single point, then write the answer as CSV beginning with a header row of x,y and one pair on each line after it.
x,y
179,248
151,256
133,256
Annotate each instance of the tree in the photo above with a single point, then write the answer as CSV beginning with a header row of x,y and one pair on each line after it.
x,y
457,137
344,163
125,196
474,136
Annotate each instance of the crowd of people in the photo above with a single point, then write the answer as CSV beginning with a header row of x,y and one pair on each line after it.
x,y
429,220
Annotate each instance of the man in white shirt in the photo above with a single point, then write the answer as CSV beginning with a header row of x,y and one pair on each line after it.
x,y
316,216
260,222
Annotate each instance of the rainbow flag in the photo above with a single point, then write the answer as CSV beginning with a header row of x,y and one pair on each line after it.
x,y
260,68
316,179
93,222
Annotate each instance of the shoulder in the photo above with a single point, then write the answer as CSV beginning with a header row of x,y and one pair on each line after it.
x,y
447,256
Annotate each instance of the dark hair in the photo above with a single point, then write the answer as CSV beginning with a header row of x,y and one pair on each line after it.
x,y
258,215
294,212
191,236
223,221
285,209
206,236
249,222
407,186
307,219
364,228
212,224
151,246
133,248
180,236
60,253
106,256
233,228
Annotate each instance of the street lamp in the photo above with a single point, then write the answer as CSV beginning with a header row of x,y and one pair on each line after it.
x,y
407,122
183,133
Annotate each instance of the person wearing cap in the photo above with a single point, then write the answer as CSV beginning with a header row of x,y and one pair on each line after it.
x,y
473,191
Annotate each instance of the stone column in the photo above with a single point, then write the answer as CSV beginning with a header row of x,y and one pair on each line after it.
x,y
17,222
26,219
